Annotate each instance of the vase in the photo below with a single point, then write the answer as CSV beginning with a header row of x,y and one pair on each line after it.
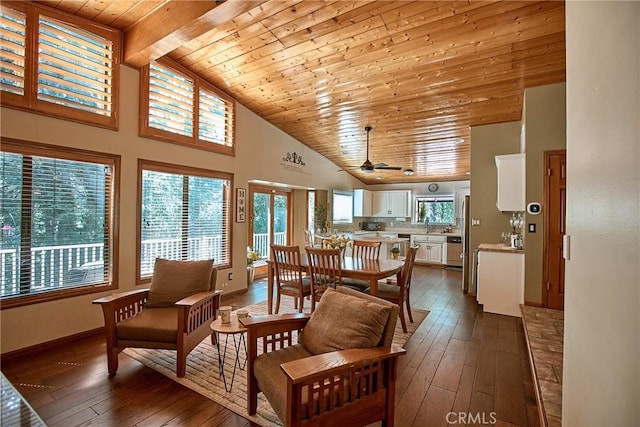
x,y
395,255
251,274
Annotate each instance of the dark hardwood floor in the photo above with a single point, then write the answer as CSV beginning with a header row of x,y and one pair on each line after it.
x,y
462,367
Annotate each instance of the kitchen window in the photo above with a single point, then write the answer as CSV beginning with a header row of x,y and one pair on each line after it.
x,y
72,72
182,108
342,207
434,209
58,210
183,215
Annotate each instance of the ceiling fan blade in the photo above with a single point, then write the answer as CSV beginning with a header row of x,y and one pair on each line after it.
x,y
385,167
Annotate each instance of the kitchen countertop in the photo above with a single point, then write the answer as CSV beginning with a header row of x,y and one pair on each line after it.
x,y
372,237
498,247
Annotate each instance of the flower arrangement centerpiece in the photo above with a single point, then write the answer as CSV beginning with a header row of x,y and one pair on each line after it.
x,y
336,241
252,256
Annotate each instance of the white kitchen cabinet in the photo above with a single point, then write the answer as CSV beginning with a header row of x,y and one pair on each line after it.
x,y
430,248
459,200
500,287
391,203
362,203
511,182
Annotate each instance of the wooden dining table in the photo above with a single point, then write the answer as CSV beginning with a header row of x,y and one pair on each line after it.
x,y
370,270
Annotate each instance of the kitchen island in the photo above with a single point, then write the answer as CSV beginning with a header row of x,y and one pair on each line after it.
x,y
387,240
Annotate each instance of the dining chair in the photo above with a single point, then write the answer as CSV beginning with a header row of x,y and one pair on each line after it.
x,y
308,238
399,292
365,249
325,271
289,275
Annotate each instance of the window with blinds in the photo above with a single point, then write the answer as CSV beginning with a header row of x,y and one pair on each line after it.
x,y
13,25
184,215
71,72
182,108
57,210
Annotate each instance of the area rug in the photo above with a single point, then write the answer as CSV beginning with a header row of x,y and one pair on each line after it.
x,y
202,367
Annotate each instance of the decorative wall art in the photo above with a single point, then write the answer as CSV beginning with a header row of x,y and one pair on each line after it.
x,y
241,204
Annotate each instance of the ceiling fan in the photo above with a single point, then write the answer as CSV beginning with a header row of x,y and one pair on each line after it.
x,y
368,167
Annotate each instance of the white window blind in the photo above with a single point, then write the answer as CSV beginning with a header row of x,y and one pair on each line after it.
x,y
216,118
12,50
183,217
56,223
170,100
74,67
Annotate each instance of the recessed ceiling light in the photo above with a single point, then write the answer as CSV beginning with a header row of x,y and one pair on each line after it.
x,y
408,172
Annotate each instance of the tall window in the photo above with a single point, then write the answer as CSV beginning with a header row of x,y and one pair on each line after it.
x,y
434,210
57,211
184,215
182,108
71,72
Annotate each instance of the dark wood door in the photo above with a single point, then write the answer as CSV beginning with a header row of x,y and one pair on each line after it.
x,y
555,212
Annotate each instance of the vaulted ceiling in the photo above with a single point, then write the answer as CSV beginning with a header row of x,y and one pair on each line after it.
x,y
420,73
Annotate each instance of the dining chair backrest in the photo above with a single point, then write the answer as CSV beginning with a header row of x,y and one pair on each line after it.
x,y
325,269
288,265
407,269
366,249
308,238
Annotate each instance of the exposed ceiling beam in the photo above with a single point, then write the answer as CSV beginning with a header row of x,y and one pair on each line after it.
x,y
175,23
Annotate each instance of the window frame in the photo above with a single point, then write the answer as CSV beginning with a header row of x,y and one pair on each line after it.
x,y
155,166
31,148
341,193
430,199
145,130
29,101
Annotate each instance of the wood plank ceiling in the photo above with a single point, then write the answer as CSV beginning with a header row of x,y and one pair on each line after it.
x,y
419,72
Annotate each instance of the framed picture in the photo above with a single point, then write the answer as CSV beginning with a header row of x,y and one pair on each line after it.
x,y
241,204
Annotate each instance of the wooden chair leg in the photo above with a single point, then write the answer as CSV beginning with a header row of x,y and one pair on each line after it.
x,y
112,359
404,322
181,363
409,310
277,303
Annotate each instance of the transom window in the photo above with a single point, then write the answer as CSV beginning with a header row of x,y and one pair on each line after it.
x,y
184,215
182,108
73,72
434,209
57,211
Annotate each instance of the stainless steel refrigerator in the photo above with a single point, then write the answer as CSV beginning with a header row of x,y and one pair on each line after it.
x,y
466,255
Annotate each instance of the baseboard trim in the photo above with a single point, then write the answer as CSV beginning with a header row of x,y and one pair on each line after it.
x,y
534,304
11,355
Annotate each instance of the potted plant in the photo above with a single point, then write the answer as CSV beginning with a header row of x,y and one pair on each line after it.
x,y
252,256
395,252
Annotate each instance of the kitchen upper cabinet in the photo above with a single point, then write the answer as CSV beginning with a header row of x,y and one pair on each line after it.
x,y
391,203
459,200
362,203
511,182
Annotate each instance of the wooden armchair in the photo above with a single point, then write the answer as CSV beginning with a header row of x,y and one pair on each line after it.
x,y
337,373
175,313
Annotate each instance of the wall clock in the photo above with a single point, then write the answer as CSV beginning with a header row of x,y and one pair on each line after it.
x,y
433,187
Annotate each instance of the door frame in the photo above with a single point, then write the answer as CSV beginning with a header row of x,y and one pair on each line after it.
x,y
281,191
546,220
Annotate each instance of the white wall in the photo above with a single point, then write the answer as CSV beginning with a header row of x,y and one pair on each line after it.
x,y
260,150
601,381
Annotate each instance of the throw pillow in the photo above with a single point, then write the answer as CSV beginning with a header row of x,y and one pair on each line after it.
x,y
174,280
343,321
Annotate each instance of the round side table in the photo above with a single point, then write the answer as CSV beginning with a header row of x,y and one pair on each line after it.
x,y
230,329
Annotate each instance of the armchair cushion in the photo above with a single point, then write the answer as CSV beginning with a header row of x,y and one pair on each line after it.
x,y
175,280
270,377
342,321
150,324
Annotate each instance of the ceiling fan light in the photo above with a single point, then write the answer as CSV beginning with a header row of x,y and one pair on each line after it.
x,y
408,172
